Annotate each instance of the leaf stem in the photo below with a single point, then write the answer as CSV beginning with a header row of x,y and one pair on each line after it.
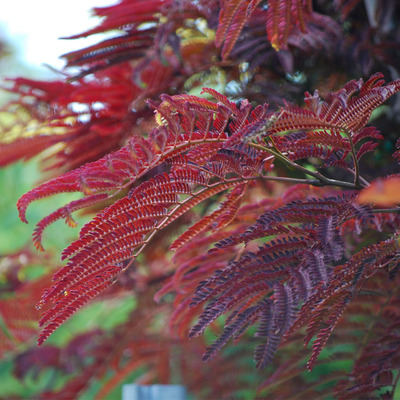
x,y
323,180
386,210
356,165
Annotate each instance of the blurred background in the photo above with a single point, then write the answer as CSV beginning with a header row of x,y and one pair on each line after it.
x,y
30,32
30,48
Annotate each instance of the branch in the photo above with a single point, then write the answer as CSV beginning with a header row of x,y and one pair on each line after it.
x,y
180,208
386,210
322,180
356,165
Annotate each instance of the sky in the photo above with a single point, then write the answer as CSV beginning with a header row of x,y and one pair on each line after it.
x,y
32,28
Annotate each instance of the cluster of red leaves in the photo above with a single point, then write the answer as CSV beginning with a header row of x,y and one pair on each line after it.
x,y
276,258
207,154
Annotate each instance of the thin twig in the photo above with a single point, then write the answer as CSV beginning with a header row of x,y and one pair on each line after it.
x,y
324,181
386,210
356,165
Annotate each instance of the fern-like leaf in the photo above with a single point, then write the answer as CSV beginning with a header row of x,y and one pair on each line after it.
x,y
232,18
121,231
294,267
123,168
282,16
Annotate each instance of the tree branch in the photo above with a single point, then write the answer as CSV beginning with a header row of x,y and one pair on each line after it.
x,y
322,180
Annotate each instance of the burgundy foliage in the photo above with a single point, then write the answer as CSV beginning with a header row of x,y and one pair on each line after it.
x,y
258,202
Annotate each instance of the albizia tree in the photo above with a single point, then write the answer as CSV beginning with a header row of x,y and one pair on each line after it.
x,y
249,212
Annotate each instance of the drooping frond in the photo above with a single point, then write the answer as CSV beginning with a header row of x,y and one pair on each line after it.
x,y
121,231
288,270
187,125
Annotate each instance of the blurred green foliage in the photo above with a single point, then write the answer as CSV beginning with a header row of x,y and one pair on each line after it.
x,y
14,235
